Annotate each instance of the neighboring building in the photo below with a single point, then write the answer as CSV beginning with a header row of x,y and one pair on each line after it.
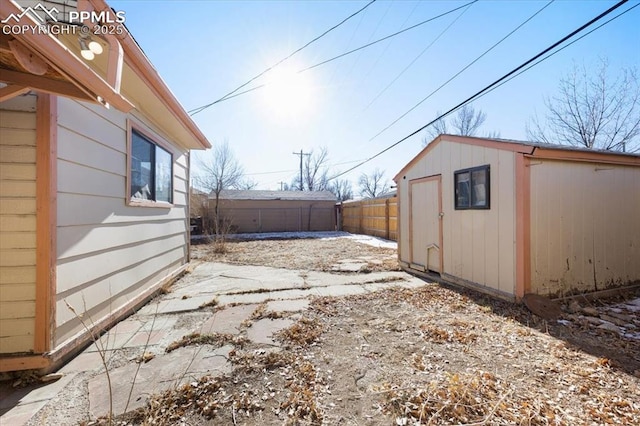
x,y
511,218
276,211
94,185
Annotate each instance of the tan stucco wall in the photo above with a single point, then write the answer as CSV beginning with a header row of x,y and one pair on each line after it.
x,y
585,226
17,223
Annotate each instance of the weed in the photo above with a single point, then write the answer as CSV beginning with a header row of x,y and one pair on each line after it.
x,y
304,332
212,302
215,339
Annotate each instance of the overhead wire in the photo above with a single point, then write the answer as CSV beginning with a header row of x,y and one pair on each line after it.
x,y
353,34
416,58
559,50
384,51
202,108
297,170
375,30
486,89
232,94
386,37
460,72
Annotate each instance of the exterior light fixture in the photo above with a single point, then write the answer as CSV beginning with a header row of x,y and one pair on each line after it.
x,y
85,51
95,47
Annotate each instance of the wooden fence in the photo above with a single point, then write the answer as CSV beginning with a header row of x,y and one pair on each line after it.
x,y
377,217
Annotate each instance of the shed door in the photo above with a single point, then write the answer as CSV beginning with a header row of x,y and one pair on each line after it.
x,y
425,223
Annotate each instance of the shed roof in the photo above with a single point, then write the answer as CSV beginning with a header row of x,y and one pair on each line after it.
x,y
533,149
233,194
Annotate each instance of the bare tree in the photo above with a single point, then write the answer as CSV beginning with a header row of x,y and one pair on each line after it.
x,y
247,184
373,185
439,127
219,171
592,111
466,122
315,172
342,189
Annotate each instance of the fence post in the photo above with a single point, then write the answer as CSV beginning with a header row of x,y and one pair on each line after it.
x,y
386,218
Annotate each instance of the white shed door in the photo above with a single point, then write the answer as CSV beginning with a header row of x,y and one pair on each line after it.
x,y
425,224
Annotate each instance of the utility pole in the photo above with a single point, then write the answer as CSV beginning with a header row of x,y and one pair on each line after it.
x,y
281,185
301,154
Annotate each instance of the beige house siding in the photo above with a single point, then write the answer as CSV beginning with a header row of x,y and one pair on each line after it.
x,y
478,245
17,224
585,226
108,252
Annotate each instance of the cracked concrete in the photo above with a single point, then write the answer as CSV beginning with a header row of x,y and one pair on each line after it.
x,y
238,291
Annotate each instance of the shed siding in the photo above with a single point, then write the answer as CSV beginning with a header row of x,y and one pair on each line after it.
x,y
17,224
585,226
478,245
108,252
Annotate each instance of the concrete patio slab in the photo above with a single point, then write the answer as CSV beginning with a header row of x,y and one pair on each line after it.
x,y
161,373
295,305
86,361
261,332
228,320
173,306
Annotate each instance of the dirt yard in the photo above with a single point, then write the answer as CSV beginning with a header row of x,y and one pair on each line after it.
x,y
320,254
429,356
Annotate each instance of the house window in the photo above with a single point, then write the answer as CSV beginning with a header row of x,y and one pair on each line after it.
x,y
151,170
472,188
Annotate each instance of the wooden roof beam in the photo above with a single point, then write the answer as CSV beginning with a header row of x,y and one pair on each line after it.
x,y
42,84
11,91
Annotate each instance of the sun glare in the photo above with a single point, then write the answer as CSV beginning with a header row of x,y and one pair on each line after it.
x,y
287,93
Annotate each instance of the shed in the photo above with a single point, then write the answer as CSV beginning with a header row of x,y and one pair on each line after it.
x,y
94,172
276,211
511,218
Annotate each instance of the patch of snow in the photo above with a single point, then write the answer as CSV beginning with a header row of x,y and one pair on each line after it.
x,y
364,239
632,305
372,241
564,322
634,336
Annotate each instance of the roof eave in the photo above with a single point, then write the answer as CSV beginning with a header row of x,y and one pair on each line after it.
x,y
143,67
58,56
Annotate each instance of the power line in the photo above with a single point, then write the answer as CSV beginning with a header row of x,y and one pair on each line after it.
x,y
559,50
416,58
489,87
389,43
460,72
232,94
202,108
294,170
386,37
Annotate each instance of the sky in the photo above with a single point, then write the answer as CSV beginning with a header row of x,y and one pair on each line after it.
x,y
205,49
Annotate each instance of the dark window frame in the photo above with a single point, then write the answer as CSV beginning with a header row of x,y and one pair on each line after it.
x,y
137,131
471,204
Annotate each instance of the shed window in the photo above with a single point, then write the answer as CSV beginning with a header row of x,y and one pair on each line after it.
x,y
472,188
151,170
